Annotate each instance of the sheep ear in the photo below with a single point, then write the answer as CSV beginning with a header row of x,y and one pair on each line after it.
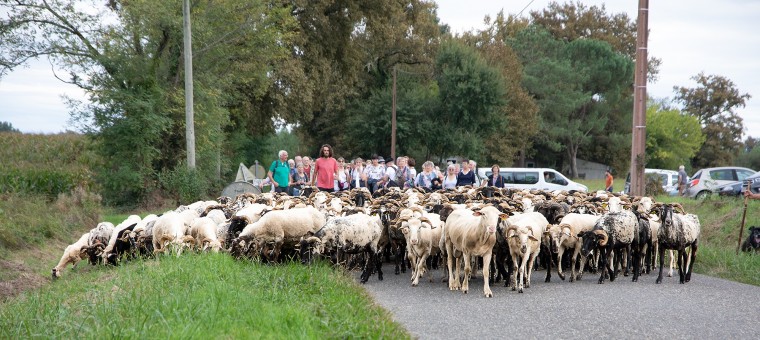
x,y
477,213
503,216
581,233
533,237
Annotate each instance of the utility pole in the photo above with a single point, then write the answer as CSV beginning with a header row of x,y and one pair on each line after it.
x,y
393,117
189,121
638,143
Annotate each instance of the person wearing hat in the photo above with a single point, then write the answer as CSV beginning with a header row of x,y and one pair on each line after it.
x,y
374,172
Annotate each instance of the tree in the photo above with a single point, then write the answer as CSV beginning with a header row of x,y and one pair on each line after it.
x,y
572,21
518,124
7,127
127,57
578,85
471,95
672,138
714,103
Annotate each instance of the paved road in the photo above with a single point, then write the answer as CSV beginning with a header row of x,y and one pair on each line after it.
x,y
705,308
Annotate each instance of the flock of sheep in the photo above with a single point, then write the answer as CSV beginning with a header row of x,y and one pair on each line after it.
x,y
510,230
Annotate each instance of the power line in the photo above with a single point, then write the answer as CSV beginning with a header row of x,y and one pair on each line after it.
x,y
526,6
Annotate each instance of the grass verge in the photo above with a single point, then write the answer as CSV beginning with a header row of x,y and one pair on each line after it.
x,y
199,296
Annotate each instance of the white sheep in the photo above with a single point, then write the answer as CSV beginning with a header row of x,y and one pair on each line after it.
x,y
472,234
169,230
278,227
570,226
203,231
522,235
72,254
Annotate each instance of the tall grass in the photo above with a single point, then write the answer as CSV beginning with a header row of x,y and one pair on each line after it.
x,y
199,296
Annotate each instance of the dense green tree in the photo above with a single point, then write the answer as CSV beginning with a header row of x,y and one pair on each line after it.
x,y
471,96
672,138
714,103
517,123
573,20
7,127
578,85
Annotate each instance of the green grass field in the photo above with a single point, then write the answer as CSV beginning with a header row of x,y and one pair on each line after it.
x,y
198,296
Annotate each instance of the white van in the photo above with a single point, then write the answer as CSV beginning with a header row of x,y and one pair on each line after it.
x,y
534,178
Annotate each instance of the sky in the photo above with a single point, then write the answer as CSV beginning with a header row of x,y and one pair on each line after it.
x,y
689,36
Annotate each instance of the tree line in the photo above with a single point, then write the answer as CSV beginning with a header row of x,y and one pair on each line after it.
x,y
553,86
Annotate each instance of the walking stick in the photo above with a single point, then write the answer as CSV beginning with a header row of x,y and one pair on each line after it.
x,y
744,217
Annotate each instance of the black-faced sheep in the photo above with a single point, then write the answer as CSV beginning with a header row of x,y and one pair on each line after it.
x,y
678,231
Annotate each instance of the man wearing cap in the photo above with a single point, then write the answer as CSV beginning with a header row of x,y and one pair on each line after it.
x,y
374,172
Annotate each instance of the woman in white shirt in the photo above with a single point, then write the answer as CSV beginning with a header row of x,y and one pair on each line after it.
x,y
450,180
341,182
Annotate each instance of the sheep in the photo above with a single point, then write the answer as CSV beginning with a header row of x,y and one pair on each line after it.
x,y
99,237
613,231
203,231
72,254
357,233
278,227
169,230
217,216
422,239
129,222
678,231
242,218
522,234
471,234
570,226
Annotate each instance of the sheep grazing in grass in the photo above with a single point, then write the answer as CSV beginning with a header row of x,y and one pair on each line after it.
x,y
72,254
127,223
203,231
278,228
169,231
99,237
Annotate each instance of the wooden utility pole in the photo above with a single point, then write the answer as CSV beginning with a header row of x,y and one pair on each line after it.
x,y
393,117
638,143
189,120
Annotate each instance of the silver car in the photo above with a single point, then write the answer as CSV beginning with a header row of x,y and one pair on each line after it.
x,y
706,181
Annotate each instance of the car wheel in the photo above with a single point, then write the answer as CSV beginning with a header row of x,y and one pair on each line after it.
x,y
702,195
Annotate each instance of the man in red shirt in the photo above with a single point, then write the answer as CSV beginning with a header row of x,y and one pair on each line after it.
x,y
325,169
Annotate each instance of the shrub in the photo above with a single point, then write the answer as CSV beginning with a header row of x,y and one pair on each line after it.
x,y
184,185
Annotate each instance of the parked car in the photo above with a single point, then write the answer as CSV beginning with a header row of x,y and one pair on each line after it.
x,y
737,188
534,178
669,180
708,181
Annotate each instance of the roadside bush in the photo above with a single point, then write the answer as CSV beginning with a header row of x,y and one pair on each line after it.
x,y
184,185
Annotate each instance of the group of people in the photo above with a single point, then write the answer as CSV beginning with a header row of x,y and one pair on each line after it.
x,y
330,174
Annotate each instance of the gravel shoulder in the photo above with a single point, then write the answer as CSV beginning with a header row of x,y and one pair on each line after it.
x,y
705,308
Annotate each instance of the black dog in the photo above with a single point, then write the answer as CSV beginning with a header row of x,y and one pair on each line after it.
x,y
753,240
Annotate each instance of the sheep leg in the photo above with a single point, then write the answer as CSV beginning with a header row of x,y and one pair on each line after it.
x,y
531,261
378,258
467,272
612,263
692,258
636,263
672,262
602,264
453,284
514,276
626,252
419,269
523,269
366,268
560,252
682,265
486,268
549,261
661,251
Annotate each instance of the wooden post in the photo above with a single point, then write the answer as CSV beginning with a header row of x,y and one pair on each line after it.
x,y
638,135
393,117
744,218
189,115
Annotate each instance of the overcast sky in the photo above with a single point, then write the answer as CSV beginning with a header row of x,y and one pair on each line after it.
x,y
715,37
